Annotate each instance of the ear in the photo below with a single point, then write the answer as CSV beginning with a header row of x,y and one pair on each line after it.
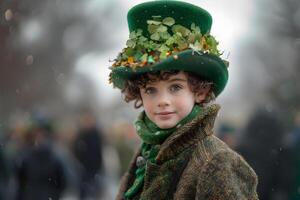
x,y
138,103
200,96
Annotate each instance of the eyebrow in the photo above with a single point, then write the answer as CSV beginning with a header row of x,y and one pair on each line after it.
x,y
172,80
177,79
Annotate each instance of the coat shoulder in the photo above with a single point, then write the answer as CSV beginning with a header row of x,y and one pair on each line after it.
x,y
211,147
215,171
224,173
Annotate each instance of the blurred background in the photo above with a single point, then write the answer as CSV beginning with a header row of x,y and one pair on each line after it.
x,y
65,133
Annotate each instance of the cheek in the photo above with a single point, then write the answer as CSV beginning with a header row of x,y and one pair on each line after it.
x,y
147,104
185,104
179,103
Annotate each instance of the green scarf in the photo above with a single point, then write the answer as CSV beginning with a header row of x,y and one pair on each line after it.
x,y
151,136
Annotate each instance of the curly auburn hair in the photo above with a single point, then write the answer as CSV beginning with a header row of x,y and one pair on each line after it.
x,y
132,87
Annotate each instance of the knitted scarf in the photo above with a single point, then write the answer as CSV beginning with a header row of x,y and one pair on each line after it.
x,y
152,136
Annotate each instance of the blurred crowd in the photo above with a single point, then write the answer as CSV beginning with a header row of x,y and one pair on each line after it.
x,y
40,159
272,149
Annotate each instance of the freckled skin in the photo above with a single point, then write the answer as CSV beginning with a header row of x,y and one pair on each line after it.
x,y
167,102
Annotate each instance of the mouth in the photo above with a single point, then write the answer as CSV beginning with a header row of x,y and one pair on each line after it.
x,y
165,113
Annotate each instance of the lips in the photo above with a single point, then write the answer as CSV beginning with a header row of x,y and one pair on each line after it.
x,y
165,113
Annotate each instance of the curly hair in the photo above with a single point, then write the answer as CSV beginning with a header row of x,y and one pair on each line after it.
x,y
132,87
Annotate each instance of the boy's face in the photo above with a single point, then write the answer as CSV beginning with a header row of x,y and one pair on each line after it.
x,y
167,102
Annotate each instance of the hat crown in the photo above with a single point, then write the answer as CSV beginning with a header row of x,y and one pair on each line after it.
x,y
184,14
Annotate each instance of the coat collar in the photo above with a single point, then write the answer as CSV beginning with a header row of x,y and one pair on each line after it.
x,y
189,134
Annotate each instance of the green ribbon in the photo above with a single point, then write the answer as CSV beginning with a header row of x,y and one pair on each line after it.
x,y
151,136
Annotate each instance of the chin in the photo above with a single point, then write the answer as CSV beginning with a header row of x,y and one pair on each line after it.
x,y
166,126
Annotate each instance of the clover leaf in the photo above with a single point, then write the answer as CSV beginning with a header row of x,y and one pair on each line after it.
x,y
170,41
131,43
129,51
155,36
162,28
152,28
169,21
195,28
212,42
139,32
164,35
182,45
132,35
163,48
153,22
181,29
142,40
191,38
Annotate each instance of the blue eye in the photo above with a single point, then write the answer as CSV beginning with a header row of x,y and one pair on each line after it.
x,y
175,88
150,90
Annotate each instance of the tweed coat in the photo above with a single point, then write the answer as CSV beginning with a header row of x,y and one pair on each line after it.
x,y
194,164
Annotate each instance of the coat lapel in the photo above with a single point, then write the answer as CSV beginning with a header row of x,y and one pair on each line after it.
x,y
161,180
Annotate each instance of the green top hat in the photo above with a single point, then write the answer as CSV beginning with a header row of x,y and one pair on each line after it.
x,y
170,35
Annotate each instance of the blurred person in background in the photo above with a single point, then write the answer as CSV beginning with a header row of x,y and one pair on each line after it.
x,y
4,174
263,146
294,144
227,133
88,151
39,173
125,142
14,143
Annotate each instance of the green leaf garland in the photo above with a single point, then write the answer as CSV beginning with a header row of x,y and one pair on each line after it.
x,y
166,38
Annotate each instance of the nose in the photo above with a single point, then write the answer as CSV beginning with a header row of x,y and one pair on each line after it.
x,y
163,100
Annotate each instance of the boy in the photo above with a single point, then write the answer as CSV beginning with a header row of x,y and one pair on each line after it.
x,y
172,67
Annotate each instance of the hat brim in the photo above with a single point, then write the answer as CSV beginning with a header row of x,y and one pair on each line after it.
x,y
207,66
